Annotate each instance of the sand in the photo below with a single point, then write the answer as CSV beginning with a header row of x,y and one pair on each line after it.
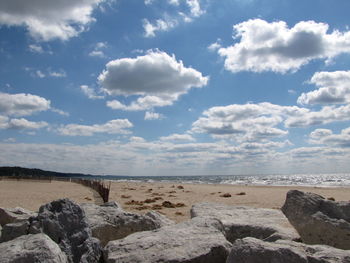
x,y
32,194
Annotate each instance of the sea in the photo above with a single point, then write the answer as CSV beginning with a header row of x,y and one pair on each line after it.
x,y
315,180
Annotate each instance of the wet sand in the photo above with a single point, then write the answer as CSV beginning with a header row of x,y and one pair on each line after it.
x,y
172,200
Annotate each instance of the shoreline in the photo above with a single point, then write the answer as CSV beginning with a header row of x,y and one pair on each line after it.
x,y
172,199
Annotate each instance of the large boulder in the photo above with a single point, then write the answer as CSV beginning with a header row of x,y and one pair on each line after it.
x,y
13,230
31,249
251,250
109,222
66,224
243,221
197,240
317,220
13,215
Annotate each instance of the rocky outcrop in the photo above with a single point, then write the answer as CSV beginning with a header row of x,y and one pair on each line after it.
x,y
110,222
14,230
66,224
196,240
13,215
317,220
251,250
242,221
31,249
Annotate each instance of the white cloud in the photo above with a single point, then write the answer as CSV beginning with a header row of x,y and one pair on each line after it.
x,y
334,88
57,74
326,136
22,104
40,74
119,126
195,8
248,122
48,20
215,46
46,73
90,92
159,25
326,115
20,124
60,112
168,22
153,116
98,50
36,49
157,78
178,138
265,46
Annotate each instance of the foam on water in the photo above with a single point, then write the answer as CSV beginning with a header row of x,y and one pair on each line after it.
x,y
319,180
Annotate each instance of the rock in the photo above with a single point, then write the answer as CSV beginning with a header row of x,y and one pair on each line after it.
x,y
318,221
110,222
31,249
251,250
14,230
197,240
66,224
242,221
13,215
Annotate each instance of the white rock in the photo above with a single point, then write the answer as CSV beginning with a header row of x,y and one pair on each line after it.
x,y
317,220
243,221
13,215
111,222
31,249
251,250
197,240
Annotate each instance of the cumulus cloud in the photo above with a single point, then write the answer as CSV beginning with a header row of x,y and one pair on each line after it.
x,y
178,137
48,20
265,46
149,115
90,92
334,88
98,50
20,124
57,74
22,104
326,136
247,122
168,22
159,25
36,49
327,114
118,126
157,78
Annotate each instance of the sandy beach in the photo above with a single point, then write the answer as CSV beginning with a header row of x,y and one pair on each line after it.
x,y
172,200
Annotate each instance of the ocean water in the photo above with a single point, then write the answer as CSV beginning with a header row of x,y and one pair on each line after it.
x,y
317,180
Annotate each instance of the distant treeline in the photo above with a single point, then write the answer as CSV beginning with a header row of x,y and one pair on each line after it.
x,y
28,172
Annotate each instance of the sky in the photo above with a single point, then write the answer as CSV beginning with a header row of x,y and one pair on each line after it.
x,y
175,87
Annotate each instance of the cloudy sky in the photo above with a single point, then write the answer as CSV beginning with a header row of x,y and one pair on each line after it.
x,y
175,87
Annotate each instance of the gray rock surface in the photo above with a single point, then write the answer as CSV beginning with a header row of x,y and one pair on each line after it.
x,y
13,215
37,248
14,230
110,222
317,220
199,240
66,224
242,221
251,250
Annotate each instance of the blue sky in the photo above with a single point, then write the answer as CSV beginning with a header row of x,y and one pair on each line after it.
x,y
175,87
